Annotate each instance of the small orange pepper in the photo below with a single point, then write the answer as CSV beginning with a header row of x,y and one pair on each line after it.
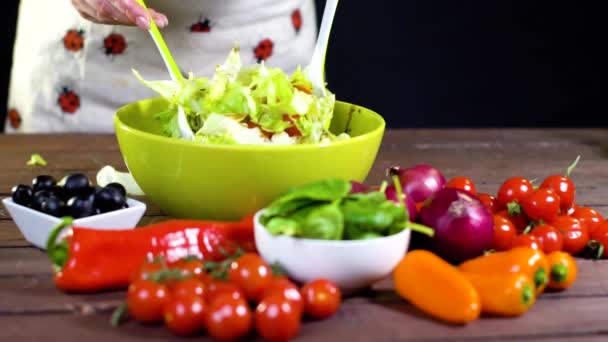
x,y
436,287
508,294
529,261
562,270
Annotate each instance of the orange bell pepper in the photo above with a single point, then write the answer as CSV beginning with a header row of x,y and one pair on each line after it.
x,y
508,294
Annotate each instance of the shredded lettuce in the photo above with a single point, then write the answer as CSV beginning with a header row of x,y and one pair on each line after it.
x,y
255,104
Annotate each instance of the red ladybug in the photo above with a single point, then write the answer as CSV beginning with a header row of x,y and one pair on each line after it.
x,y
68,101
263,50
296,20
14,118
203,25
115,44
74,40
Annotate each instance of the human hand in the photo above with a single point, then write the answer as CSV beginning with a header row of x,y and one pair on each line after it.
x,y
118,12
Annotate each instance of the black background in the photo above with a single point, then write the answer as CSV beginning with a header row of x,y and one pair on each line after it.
x,y
452,63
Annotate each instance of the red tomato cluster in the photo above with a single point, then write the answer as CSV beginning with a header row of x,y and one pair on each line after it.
x,y
246,297
543,217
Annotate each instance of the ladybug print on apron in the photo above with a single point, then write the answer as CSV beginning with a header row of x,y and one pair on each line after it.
x,y
201,26
263,50
296,20
68,101
114,44
73,40
14,118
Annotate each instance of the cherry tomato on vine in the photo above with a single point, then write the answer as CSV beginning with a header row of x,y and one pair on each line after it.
x,y
216,288
589,217
146,269
146,300
189,266
504,233
251,273
185,315
513,189
600,237
575,233
549,237
321,298
285,288
462,183
541,205
489,201
563,187
228,318
190,287
520,221
277,319
527,240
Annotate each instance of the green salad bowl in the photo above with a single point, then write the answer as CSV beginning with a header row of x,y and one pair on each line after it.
x,y
227,182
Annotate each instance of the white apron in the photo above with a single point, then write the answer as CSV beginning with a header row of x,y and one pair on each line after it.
x,y
70,75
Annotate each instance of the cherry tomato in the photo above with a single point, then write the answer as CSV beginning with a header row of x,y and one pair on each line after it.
x,y
228,318
189,266
572,209
462,183
147,268
513,189
520,221
285,288
277,319
575,233
600,237
216,288
146,299
527,240
321,298
489,201
549,237
185,315
190,287
589,217
504,233
563,187
251,273
215,244
541,205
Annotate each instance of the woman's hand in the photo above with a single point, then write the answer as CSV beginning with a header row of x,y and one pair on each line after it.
x,y
118,12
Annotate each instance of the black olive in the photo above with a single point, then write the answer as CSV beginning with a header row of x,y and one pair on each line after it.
x,y
60,192
118,187
81,206
77,184
52,206
109,199
23,194
43,182
40,197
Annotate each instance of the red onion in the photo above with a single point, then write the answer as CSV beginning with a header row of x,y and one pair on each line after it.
x,y
357,187
421,181
391,194
464,227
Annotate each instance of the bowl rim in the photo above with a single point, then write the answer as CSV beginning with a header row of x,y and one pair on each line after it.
x,y
135,204
326,243
120,125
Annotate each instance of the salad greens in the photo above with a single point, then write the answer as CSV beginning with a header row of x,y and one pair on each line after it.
x,y
327,210
247,105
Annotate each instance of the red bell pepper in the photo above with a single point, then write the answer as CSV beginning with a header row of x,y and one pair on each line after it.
x,y
93,260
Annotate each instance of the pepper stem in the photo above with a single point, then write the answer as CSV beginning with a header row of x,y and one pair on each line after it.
x,y
527,294
559,273
540,277
58,252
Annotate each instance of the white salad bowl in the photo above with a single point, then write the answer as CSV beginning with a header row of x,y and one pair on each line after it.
x,y
36,226
351,264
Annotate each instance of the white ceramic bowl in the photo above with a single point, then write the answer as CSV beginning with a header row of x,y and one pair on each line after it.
x,y
36,226
352,265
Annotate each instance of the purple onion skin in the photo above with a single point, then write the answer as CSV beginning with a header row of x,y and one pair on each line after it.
x,y
357,187
391,194
464,227
421,181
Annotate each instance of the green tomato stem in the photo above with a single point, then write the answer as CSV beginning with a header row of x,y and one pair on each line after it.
x,y
572,166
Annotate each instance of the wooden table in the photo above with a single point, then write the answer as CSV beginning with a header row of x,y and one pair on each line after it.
x,y
31,308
